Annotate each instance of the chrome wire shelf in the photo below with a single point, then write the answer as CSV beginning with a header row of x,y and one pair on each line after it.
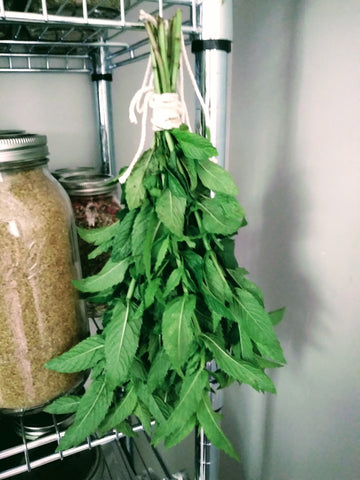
x,y
64,35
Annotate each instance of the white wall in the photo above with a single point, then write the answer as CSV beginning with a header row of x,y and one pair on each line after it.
x,y
295,154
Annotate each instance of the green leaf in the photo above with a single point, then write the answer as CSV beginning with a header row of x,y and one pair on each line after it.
x,y
90,413
215,280
216,305
209,421
143,414
138,235
190,396
177,328
191,173
134,187
195,264
251,287
177,436
122,410
121,342
158,370
193,145
151,290
148,242
147,399
258,323
277,315
214,219
111,274
171,211
98,235
231,207
216,178
63,405
175,186
80,357
173,281
243,372
273,351
161,253
122,247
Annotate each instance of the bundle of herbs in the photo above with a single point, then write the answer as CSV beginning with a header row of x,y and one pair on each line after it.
x,y
177,299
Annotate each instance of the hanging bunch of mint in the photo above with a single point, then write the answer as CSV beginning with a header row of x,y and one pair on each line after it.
x,y
177,299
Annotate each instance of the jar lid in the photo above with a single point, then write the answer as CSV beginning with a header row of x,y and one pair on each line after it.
x,y
65,172
22,147
88,184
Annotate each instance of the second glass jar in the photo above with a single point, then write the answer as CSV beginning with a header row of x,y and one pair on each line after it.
x,y
95,203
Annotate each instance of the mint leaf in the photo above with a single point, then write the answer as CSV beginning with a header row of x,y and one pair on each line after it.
x,y
63,405
216,178
209,420
177,328
173,281
171,211
277,315
216,281
90,413
177,436
143,414
120,412
190,396
190,171
122,247
152,229
138,234
214,218
121,342
134,187
256,320
242,372
193,145
98,235
151,290
158,370
161,253
111,274
80,357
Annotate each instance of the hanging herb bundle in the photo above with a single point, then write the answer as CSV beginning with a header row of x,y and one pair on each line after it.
x,y
177,299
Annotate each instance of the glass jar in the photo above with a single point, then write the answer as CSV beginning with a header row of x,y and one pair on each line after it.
x,y
95,203
41,316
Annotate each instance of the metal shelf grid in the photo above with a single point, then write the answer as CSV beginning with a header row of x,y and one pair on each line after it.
x,y
63,35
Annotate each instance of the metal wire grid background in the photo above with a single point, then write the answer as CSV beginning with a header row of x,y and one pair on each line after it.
x,y
63,35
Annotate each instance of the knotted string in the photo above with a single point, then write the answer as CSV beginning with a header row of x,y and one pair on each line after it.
x,y
168,109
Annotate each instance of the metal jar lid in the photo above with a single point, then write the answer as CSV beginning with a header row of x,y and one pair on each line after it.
x,y
88,184
19,149
66,172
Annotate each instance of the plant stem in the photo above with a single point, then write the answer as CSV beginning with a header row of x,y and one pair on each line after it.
x,y
159,67
131,290
163,54
176,50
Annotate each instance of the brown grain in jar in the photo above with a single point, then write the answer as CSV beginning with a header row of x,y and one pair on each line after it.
x,y
40,313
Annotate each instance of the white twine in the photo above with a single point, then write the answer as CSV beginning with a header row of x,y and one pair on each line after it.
x,y
168,109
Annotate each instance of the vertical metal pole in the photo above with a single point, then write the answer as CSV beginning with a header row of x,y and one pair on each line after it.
x,y
102,78
212,73
212,70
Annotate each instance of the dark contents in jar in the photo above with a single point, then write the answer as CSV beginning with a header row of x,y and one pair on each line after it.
x,y
93,211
